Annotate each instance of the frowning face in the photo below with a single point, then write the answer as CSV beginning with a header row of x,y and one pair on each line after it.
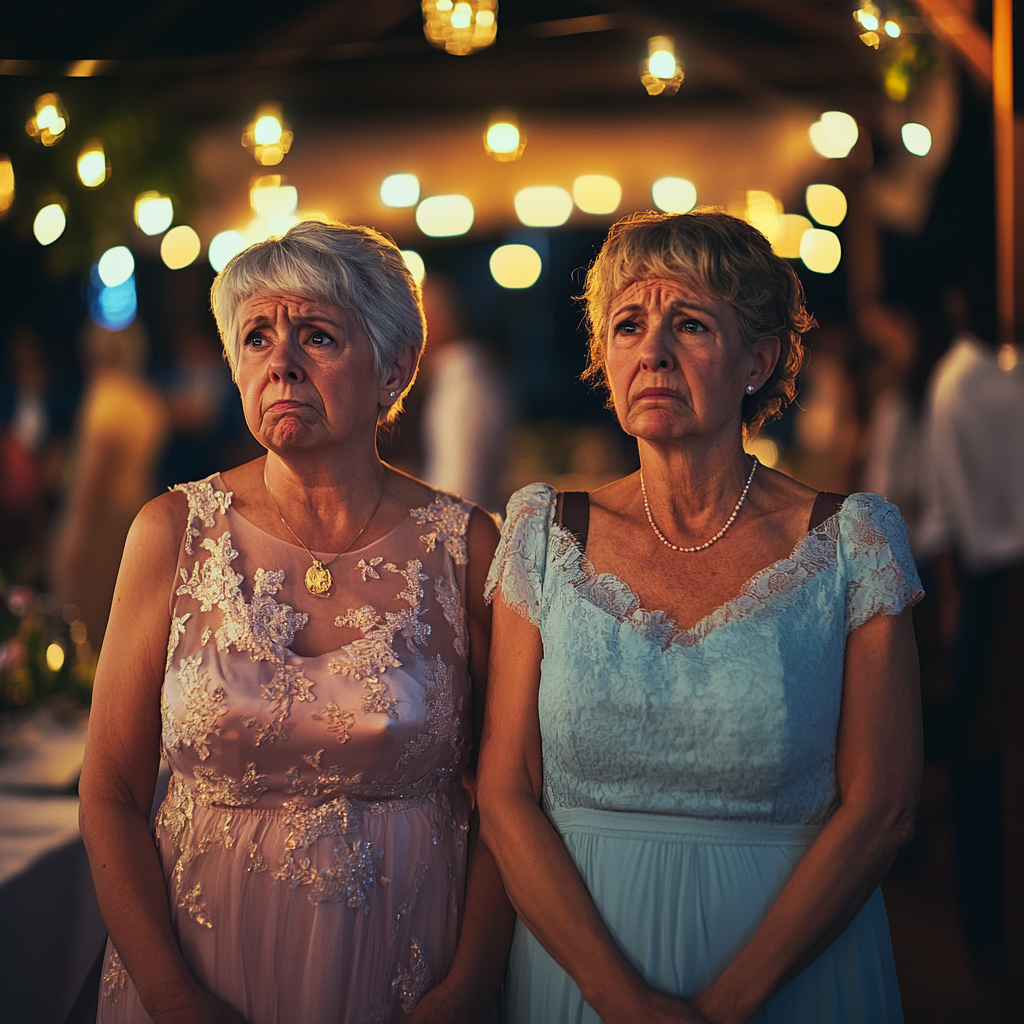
x,y
306,374
676,362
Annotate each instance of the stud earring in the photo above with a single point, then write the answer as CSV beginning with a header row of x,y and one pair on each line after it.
x,y
750,389
392,394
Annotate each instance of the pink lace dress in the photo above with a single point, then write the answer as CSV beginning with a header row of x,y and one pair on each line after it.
x,y
313,838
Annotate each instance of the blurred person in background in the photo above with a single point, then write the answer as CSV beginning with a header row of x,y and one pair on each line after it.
x,y
972,524
703,749
121,431
304,638
466,406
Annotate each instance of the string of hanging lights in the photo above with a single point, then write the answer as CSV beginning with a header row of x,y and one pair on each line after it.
x,y
460,28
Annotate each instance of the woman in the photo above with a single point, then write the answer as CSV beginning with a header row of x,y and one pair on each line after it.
x,y
692,806
300,636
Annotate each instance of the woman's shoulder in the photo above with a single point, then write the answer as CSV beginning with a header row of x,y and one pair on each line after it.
x,y
536,498
867,510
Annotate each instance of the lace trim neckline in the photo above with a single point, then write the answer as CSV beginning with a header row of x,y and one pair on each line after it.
x,y
812,554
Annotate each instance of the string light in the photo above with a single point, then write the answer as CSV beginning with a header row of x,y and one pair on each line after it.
x,y
515,266
503,139
153,213
834,135
92,165
49,223
674,195
268,137
917,138
6,184
661,74
790,231
50,120
400,190
596,193
460,28
826,204
223,248
445,216
270,198
115,266
180,247
820,250
415,264
543,206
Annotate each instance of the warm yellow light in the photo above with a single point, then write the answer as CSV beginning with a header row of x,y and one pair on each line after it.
x,y
460,28
49,224
765,449
674,195
485,19
47,117
762,212
462,16
444,5
267,130
180,247
400,190
153,213
269,198
92,165
502,137
6,183
515,266
662,64
596,193
414,261
50,120
268,137
892,29
444,216
223,247
789,234
259,229
115,266
543,206
917,138
820,250
55,657
826,204
834,135
868,16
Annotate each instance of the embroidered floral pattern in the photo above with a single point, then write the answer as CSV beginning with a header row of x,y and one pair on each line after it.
x,y
448,521
442,721
256,863
346,879
194,906
412,980
368,570
417,878
115,977
222,790
203,504
177,631
203,706
330,781
337,719
446,592
175,821
288,684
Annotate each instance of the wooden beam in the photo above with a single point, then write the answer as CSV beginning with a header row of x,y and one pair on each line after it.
x,y
953,22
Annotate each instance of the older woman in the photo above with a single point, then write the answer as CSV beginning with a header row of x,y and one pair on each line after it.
x,y
305,641
703,745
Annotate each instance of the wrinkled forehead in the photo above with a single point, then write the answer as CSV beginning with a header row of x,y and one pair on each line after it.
x,y
665,293
273,305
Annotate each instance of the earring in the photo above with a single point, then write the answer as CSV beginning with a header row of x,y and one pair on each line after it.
x,y
750,389
392,394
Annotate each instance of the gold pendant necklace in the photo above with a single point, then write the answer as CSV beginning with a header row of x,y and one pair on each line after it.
x,y
318,577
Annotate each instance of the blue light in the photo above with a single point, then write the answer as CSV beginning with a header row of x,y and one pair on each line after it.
x,y
113,308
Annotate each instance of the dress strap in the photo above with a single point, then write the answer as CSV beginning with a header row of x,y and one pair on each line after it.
x,y
572,510
826,505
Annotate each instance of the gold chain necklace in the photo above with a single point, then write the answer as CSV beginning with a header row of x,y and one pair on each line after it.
x,y
318,577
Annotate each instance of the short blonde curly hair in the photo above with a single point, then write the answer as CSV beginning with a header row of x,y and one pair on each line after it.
x,y
730,260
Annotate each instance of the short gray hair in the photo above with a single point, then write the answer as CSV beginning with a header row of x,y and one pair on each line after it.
x,y
354,268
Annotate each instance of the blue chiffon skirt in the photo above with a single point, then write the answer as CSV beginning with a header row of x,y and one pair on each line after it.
x,y
681,897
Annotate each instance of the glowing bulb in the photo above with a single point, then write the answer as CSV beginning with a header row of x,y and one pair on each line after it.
x,y
223,248
515,266
6,183
269,198
400,190
55,657
892,29
543,206
502,137
826,204
445,216
820,250
462,15
92,165
414,261
267,130
180,247
596,193
444,6
153,213
48,117
789,234
917,138
49,224
662,64
116,266
485,19
834,135
674,195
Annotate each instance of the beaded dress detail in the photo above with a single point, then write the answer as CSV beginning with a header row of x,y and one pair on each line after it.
x,y
314,833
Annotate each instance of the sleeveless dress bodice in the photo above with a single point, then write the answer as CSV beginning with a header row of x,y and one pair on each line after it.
x,y
314,833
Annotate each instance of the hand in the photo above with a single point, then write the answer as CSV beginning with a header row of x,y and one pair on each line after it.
x,y
652,1007
446,1004
204,1008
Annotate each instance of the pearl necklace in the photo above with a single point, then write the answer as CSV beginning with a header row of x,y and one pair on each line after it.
x,y
717,536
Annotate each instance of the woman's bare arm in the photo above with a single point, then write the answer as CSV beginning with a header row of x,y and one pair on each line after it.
x,y
540,877
472,985
119,774
879,759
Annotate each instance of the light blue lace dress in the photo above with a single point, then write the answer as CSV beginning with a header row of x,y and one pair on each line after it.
x,y
688,771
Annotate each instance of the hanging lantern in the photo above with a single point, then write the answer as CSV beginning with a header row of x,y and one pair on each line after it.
x,y
460,27
661,73
268,137
50,120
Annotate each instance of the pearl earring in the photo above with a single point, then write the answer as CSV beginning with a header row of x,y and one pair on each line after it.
x,y
750,389
392,394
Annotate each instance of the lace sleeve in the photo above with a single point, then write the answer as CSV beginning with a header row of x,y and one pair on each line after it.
x,y
881,577
518,566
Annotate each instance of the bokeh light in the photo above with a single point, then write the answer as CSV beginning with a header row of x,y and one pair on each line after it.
x,y
269,197
917,138
180,247
92,165
662,64
414,261
596,193
515,266
49,224
543,206
55,657
826,204
153,213
445,216
502,137
789,234
113,308
674,195
399,190
6,183
820,250
834,135
115,266
223,248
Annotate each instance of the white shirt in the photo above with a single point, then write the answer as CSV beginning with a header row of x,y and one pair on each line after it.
x,y
972,474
